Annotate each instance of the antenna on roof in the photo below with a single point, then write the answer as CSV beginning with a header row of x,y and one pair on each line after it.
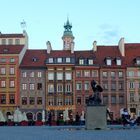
x,y
23,24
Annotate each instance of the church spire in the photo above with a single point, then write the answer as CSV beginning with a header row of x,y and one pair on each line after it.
x,y
67,36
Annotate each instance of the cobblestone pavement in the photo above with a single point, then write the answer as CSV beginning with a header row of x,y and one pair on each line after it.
x,y
68,133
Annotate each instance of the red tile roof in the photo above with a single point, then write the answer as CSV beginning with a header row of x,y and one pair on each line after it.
x,y
11,35
11,49
34,58
108,51
60,53
132,51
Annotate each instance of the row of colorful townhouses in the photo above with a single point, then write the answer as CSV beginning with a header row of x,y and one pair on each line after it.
x,y
56,80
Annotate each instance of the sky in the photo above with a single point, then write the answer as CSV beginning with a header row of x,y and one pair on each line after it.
x,y
105,21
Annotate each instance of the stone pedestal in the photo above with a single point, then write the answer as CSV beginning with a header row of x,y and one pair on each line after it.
x,y
96,117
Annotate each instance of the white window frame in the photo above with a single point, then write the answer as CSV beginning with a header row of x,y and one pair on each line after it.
x,y
50,75
24,86
12,84
59,75
51,88
51,60
3,84
39,74
31,86
68,75
59,60
108,62
67,59
12,71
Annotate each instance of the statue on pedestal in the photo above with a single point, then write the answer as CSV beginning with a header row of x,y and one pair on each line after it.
x,y
95,99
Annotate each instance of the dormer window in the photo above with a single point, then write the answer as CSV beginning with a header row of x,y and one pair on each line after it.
x,y
59,60
108,61
81,61
67,59
138,61
90,61
50,60
34,59
118,61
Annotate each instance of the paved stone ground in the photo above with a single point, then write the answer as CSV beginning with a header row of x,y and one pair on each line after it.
x,y
68,133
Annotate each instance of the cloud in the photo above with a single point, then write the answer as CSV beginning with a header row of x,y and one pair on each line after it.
x,y
108,34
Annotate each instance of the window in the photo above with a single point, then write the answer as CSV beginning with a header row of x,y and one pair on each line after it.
x,y
2,60
24,74
3,84
113,74
118,62
81,61
12,60
108,61
138,61
67,59
12,71
78,100
50,88
86,85
120,74
3,71
32,74
113,99
105,100
68,101
131,96
12,99
130,73
24,100
59,60
39,86
31,86
113,86
59,88
68,76
59,76
78,74
32,100
105,85
68,88
121,99
104,74
10,41
86,73
50,60
121,85
3,41
138,73
132,85
39,74
17,41
78,86
34,59
51,101
24,86
94,74
12,84
39,100
3,99
50,75
59,101
90,61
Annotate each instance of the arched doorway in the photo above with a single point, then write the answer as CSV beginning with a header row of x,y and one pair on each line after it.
x,y
30,116
39,116
9,116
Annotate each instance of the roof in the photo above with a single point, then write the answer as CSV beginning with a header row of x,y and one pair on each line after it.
x,y
11,35
34,58
11,49
132,51
60,53
104,52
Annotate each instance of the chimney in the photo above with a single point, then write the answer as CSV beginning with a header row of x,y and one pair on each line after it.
x,y
49,47
72,47
121,46
95,46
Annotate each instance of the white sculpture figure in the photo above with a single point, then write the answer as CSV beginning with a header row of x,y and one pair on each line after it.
x,y
24,117
2,119
18,115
